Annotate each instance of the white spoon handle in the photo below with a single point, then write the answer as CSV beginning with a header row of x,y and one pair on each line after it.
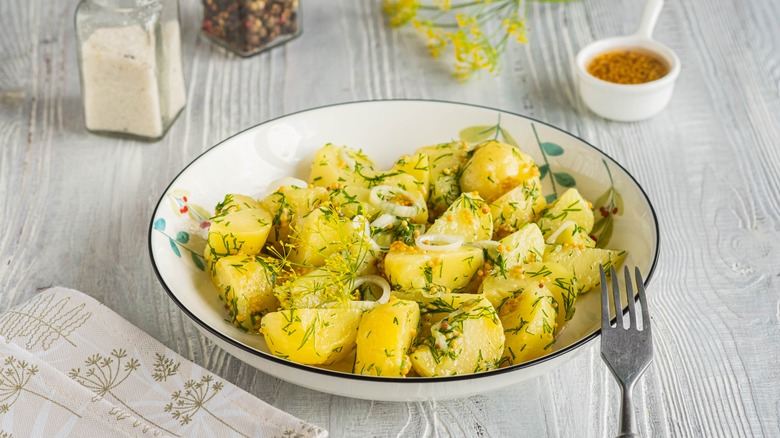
x,y
649,18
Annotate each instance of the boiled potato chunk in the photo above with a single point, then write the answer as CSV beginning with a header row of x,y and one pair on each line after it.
x,y
344,365
322,233
528,319
312,290
584,262
468,217
334,166
314,235
400,230
311,336
416,166
561,282
353,201
517,207
291,200
558,279
412,193
439,302
445,161
434,306
496,168
523,246
468,340
240,231
408,267
570,206
571,234
499,288
385,337
287,203
245,284
235,202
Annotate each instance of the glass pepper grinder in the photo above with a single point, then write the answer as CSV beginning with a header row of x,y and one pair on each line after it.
x,y
247,27
129,54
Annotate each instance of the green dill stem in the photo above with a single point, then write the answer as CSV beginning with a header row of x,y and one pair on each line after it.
x,y
502,44
452,7
492,11
480,18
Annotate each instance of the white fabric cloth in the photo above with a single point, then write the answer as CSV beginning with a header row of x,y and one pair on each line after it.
x,y
69,366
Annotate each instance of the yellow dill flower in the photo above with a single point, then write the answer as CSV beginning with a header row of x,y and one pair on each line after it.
x,y
472,54
515,26
478,30
444,5
460,43
465,20
400,11
434,36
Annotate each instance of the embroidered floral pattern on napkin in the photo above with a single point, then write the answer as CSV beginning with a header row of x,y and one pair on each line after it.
x,y
70,366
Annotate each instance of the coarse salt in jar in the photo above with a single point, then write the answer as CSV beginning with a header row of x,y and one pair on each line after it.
x,y
130,63
247,27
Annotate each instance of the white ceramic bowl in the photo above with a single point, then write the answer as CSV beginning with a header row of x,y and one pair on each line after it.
x,y
248,161
633,102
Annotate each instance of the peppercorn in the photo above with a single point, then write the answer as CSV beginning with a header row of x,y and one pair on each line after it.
x,y
249,26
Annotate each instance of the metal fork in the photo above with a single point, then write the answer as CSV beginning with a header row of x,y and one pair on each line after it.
x,y
627,351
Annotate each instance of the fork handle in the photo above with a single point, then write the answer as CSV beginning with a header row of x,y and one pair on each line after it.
x,y
627,427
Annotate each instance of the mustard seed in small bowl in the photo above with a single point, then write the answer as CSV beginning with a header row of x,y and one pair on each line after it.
x,y
628,66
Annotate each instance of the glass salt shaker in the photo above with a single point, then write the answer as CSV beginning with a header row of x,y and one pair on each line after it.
x,y
129,54
247,27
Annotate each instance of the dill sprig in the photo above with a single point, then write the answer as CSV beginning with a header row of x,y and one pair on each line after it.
x,y
346,255
478,31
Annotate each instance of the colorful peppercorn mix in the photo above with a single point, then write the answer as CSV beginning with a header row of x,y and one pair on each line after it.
x,y
247,27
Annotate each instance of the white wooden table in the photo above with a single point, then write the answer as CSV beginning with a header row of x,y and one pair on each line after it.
x,y
75,207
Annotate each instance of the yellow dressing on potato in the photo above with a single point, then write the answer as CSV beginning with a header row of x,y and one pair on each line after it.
x,y
384,338
311,336
495,277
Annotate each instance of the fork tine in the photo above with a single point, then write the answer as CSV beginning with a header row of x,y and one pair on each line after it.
x,y
640,285
604,299
616,295
630,297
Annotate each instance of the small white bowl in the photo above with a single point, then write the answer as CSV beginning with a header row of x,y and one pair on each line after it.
x,y
628,102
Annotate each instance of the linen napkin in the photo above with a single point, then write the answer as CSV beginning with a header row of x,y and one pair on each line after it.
x,y
69,366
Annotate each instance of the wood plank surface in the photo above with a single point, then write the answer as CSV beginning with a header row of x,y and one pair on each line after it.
x,y
75,207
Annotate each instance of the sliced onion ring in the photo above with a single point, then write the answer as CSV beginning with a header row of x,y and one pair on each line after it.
x,y
390,207
430,242
377,280
365,304
362,305
554,236
348,160
285,181
383,221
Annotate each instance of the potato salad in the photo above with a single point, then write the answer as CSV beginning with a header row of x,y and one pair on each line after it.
x,y
450,262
